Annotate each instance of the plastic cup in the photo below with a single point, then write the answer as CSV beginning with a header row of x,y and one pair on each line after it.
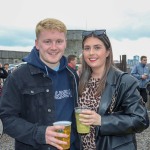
x,y
67,131
145,74
81,128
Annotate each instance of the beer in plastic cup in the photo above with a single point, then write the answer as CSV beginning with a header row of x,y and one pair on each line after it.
x,y
80,127
66,130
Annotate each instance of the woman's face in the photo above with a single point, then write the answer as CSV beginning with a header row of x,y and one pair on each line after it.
x,y
95,53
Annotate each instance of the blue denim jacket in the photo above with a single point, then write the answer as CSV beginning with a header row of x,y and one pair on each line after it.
x,y
138,71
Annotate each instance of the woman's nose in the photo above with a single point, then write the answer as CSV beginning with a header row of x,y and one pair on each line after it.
x,y
91,51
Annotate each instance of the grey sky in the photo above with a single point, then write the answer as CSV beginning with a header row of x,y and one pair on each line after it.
x,y
127,22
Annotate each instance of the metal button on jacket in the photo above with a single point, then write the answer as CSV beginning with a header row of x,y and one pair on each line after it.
x,y
49,110
47,90
32,91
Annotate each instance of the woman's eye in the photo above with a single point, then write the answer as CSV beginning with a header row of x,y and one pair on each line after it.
x,y
86,48
97,48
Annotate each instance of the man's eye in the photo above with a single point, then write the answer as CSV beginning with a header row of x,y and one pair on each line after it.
x,y
60,41
47,42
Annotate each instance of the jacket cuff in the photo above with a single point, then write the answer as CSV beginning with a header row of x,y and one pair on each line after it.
x,y
40,135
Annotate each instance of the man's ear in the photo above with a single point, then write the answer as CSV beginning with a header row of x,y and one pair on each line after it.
x,y
36,44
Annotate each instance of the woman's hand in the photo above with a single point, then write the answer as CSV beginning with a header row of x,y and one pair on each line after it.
x,y
89,117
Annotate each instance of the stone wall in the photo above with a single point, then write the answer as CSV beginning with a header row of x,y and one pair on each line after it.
x,y
11,57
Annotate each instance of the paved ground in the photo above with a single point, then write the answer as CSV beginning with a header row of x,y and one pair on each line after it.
x,y
6,143
143,141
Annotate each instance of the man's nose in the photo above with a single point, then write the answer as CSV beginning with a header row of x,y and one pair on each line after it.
x,y
53,45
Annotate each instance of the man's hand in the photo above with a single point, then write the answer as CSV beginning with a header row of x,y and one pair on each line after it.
x,y
52,136
144,76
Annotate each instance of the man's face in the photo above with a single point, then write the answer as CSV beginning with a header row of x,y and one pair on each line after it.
x,y
144,61
6,67
74,62
51,45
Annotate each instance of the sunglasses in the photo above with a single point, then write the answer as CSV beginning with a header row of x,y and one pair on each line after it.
x,y
93,32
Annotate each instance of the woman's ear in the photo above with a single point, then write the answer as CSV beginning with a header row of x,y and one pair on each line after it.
x,y
108,52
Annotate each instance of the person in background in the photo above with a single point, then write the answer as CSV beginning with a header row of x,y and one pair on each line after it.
x,y
72,61
3,75
117,111
6,67
41,92
141,72
3,72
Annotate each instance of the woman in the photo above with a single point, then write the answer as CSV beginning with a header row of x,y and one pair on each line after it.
x,y
117,111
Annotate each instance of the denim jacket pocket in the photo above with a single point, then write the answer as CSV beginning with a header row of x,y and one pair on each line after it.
x,y
33,91
33,101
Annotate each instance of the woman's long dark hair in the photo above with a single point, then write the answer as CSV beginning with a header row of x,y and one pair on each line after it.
x,y
87,71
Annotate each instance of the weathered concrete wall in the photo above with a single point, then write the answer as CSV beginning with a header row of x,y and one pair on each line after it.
x,y
11,56
74,42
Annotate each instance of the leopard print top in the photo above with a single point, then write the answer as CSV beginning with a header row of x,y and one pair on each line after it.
x,y
88,99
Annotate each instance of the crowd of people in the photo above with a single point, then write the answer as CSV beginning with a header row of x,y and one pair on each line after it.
x,y
49,86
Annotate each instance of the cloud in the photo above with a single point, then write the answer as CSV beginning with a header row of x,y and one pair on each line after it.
x,y
127,22
16,37
130,48
130,33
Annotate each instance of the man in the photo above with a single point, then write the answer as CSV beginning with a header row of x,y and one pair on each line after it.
x,y
72,61
41,92
3,72
141,72
6,67
3,75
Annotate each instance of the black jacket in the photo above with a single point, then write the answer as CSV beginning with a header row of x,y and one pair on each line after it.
x,y
27,106
129,116
3,73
